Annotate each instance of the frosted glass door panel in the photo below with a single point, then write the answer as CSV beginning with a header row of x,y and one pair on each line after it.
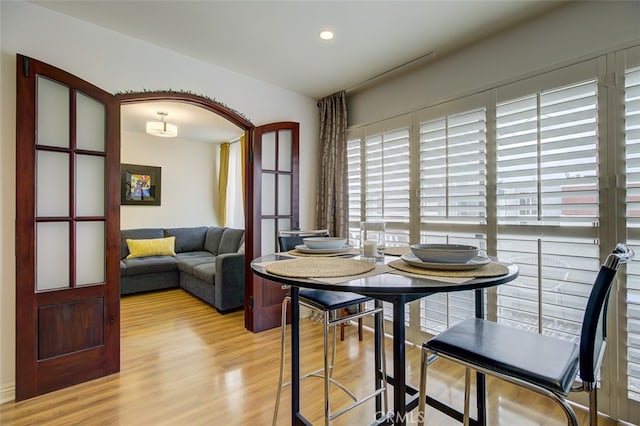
x,y
90,253
89,185
269,151
90,123
52,184
284,194
284,224
268,194
52,256
52,114
284,151
267,237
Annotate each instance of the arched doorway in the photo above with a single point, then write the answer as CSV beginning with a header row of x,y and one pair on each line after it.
x,y
192,109
262,300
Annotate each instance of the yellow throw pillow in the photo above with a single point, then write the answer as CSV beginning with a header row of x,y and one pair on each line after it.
x,y
151,247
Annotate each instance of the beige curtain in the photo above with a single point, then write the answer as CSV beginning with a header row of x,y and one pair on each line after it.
x,y
223,178
332,199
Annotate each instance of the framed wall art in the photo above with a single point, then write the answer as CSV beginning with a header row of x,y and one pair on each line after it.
x,y
140,185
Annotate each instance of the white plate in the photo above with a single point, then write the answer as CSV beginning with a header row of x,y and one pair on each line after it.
x,y
474,263
304,249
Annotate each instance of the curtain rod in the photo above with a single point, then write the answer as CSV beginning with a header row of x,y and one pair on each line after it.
x,y
394,70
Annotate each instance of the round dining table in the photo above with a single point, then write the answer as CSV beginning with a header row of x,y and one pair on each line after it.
x,y
397,289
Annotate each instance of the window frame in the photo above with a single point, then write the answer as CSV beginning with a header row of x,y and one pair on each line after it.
x,y
607,69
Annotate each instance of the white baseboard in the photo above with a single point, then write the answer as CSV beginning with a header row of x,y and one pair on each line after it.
x,y
7,393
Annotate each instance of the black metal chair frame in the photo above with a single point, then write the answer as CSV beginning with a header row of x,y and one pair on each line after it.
x,y
476,344
329,305
290,240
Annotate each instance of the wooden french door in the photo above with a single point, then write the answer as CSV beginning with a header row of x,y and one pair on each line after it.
x,y
273,203
67,230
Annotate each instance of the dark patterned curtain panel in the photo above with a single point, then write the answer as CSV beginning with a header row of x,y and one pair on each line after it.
x,y
332,199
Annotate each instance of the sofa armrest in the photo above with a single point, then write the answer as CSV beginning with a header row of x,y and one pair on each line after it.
x,y
229,281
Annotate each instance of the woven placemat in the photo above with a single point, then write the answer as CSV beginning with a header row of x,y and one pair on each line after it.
x,y
396,251
489,270
322,267
297,253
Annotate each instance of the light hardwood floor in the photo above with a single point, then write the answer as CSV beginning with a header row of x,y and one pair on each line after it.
x,y
185,364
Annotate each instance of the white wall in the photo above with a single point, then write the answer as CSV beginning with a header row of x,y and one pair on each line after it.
x,y
568,33
118,63
189,181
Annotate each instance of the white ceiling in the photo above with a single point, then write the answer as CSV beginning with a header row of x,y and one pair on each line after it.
x,y
194,123
277,41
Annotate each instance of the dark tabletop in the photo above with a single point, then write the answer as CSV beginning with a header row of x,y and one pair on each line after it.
x,y
387,284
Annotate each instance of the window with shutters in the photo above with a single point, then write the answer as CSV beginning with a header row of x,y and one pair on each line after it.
x,y
453,157
547,206
386,182
379,176
532,171
453,191
632,142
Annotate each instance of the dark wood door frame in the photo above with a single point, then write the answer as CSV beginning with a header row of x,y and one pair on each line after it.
x,y
265,297
69,333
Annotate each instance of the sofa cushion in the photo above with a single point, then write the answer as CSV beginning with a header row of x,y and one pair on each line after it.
x,y
231,240
151,247
187,261
147,265
188,239
205,272
137,234
212,241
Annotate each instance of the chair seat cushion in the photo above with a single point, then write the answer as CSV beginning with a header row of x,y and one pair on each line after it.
x,y
542,360
330,300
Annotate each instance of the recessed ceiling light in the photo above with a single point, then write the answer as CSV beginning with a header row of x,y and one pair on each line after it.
x,y
326,34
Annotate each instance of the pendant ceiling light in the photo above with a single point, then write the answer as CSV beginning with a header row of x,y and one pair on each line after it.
x,y
162,128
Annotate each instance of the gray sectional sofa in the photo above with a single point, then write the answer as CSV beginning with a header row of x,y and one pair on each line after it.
x,y
208,263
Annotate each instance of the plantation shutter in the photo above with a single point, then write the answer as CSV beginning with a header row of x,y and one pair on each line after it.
x,y
378,168
354,173
453,192
386,182
547,206
386,186
632,141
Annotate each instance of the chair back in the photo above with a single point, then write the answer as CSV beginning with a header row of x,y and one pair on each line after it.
x,y
289,242
594,331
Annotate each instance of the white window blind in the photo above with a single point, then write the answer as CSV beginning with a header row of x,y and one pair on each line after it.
x,y
632,141
547,157
382,182
354,173
453,190
547,202
453,168
440,311
386,182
